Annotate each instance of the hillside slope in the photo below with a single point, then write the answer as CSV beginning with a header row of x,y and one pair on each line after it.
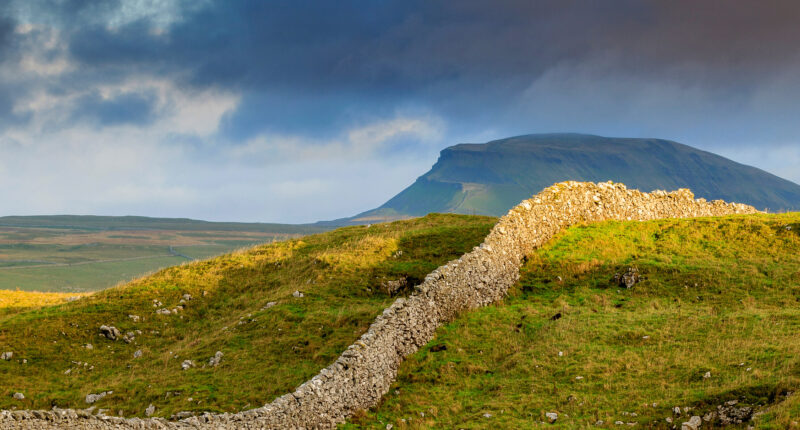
x,y
241,304
714,319
490,178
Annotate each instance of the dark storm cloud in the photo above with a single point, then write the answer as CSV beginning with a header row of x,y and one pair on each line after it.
x,y
411,44
461,57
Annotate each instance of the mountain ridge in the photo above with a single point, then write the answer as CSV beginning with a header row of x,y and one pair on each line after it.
x,y
489,178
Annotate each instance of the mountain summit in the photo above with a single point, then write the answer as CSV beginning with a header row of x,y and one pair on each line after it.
x,y
490,178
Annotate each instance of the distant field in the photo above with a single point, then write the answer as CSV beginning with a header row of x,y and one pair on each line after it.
x,y
77,254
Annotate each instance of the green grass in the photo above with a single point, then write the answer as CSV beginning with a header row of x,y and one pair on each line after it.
x,y
268,351
70,259
718,295
84,277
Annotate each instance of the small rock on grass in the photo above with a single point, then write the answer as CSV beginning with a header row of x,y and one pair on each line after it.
x,y
6,355
19,396
214,361
551,417
693,423
187,364
150,410
297,294
91,398
110,332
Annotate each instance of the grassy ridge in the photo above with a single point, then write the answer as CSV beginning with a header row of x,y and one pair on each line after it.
x,y
267,350
719,298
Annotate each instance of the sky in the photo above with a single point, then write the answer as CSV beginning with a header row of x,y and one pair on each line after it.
x,y
297,111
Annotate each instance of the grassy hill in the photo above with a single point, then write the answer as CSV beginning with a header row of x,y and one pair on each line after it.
x,y
490,178
715,319
241,304
718,297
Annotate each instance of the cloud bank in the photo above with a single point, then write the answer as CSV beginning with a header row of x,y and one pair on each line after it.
x,y
296,111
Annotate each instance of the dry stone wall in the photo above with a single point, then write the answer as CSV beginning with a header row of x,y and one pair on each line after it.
x,y
364,372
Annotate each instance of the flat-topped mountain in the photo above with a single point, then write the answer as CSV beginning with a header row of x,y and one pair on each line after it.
x,y
490,178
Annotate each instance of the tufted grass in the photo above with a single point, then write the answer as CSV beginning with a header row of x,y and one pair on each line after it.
x,y
719,295
267,351
11,300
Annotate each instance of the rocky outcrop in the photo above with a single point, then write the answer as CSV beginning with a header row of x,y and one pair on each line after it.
x,y
364,372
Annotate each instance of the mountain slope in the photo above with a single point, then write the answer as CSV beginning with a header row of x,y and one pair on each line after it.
x,y
490,178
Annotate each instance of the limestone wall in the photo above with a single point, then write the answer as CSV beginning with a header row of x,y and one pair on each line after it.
x,y
364,372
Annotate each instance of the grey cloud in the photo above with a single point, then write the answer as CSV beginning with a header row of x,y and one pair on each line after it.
x,y
723,75
129,108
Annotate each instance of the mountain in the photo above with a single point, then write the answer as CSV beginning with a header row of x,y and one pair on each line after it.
x,y
490,178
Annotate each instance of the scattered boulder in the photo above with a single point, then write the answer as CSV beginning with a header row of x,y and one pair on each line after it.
x,y
297,294
707,375
6,355
730,413
137,354
269,305
91,398
150,410
693,423
214,361
551,417
134,318
111,333
88,346
187,297
129,337
19,396
163,311
187,364
393,287
627,279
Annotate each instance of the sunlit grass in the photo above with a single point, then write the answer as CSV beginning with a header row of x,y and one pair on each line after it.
x,y
267,350
719,295
31,299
